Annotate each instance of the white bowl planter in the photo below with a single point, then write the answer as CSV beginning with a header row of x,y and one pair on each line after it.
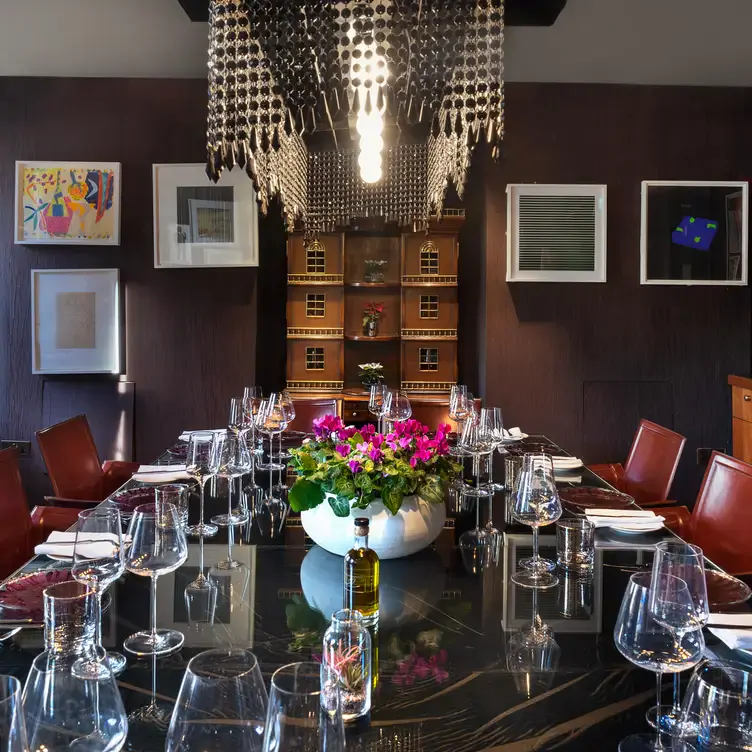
x,y
416,525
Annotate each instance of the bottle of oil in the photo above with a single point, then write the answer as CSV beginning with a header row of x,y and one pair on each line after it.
x,y
362,575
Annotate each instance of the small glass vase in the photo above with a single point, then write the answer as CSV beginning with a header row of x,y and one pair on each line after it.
x,y
371,328
346,664
63,707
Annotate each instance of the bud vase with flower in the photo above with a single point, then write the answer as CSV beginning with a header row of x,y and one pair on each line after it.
x,y
371,315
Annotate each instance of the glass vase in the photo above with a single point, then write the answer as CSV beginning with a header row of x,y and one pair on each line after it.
x,y
63,709
347,660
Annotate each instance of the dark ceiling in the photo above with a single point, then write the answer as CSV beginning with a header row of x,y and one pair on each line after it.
x,y
516,12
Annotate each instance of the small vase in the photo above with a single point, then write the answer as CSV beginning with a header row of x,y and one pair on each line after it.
x,y
371,328
346,663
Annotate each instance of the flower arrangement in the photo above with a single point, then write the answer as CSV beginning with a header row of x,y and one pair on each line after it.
x,y
372,313
370,373
357,465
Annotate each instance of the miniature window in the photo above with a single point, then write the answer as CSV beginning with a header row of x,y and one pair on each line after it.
x,y
429,258
429,306
314,357
315,304
315,258
428,359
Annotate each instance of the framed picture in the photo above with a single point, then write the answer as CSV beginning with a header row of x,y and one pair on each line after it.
x,y
75,316
76,203
200,223
694,233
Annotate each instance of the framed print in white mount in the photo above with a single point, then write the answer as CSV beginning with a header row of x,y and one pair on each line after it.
x,y
198,223
67,203
75,317
694,233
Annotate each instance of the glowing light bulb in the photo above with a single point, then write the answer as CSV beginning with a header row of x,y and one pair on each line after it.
x,y
372,174
372,124
371,143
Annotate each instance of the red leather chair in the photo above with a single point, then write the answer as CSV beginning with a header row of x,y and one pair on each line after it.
x,y
73,463
721,520
21,531
651,464
307,410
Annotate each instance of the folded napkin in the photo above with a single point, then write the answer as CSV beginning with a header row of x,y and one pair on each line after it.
x,y
513,433
624,518
62,544
160,473
187,434
567,463
736,639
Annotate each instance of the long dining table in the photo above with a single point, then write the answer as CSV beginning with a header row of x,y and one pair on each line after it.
x,y
449,677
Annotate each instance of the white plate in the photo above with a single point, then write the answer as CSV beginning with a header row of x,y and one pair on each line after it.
x,y
632,531
515,439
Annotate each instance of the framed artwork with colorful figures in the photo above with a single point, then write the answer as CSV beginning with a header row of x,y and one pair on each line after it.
x,y
694,232
74,203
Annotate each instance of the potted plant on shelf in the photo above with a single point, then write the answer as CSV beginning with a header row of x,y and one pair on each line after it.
x,y
397,480
370,374
371,315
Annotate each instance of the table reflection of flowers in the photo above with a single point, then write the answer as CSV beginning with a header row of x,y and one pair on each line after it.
x,y
419,660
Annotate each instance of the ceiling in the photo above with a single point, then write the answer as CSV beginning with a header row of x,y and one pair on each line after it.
x,y
605,41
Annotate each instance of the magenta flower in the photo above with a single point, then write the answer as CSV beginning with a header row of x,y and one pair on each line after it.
x,y
355,466
368,431
343,449
326,425
346,433
377,440
362,447
375,454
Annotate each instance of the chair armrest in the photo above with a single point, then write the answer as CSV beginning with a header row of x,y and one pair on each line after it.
x,y
115,473
678,519
61,502
612,473
46,519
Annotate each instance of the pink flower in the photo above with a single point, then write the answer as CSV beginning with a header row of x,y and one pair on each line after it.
x,y
377,440
375,454
354,466
345,434
368,431
362,447
343,449
326,425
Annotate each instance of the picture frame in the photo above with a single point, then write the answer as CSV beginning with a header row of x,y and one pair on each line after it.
x,y
198,223
67,203
75,321
694,232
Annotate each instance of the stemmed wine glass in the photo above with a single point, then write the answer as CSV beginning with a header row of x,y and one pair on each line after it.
x,y
99,560
459,407
288,404
376,402
252,400
644,642
158,547
198,466
396,406
536,503
493,426
678,572
230,459
476,442
271,419
239,421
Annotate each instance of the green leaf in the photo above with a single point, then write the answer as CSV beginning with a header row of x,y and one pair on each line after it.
x,y
340,505
432,489
357,438
305,495
306,462
344,486
392,495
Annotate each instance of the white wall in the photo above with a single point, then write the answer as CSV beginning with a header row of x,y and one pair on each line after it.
x,y
689,42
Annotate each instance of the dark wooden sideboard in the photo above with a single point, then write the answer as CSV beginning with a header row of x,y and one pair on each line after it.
x,y
741,412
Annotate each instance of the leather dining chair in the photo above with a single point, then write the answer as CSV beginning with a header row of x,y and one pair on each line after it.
x,y
73,463
721,520
22,530
651,464
307,410
432,414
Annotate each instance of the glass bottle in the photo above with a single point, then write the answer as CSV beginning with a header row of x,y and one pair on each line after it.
x,y
63,708
347,655
362,575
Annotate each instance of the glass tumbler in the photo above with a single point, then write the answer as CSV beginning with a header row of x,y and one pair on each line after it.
x,y
575,544
177,494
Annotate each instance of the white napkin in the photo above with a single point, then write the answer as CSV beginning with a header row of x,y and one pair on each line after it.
x,y
730,620
566,463
160,473
62,544
624,518
736,639
187,434
513,433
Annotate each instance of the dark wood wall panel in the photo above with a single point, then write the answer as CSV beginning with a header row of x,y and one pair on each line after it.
x,y
190,335
545,341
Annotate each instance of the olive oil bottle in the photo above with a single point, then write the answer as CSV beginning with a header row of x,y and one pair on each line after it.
x,y
362,575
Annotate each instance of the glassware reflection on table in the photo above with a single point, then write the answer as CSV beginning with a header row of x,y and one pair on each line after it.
x,y
271,419
200,598
12,726
221,706
271,514
198,466
718,706
493,427
396,406
299,718
478,547
645,643
158,547
63,707
230,460
678,602
376,402
575,544
536,503
155,714
100,563
575,594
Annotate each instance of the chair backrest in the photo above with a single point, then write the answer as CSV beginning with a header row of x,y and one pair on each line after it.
x,y
72,460
307,410
652,462
722,516
15,532
432,414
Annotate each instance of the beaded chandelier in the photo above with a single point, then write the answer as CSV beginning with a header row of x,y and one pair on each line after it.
x,y
426,76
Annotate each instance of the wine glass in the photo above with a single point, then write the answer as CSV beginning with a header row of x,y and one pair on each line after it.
x,y
230,459
99,560
198,466
679,602
239,420
493,426
12,726
158,547
376,402
647,644
476,442
536,503
271,419
397,406
288,404
221,706
300,715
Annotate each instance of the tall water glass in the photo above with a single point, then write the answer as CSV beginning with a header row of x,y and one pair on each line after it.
x,y
575,544
221,706
198,466
299,718
158,547
99,560
12,726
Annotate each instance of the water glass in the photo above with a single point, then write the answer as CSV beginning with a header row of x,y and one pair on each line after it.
x,y
299,716
575,544
575,595
176,494
221,706
12,727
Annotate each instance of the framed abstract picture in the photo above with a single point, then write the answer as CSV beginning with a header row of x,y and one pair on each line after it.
x,y
198,223
75,315
76,203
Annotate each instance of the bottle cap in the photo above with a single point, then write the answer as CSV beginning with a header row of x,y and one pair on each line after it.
x,y
362,522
